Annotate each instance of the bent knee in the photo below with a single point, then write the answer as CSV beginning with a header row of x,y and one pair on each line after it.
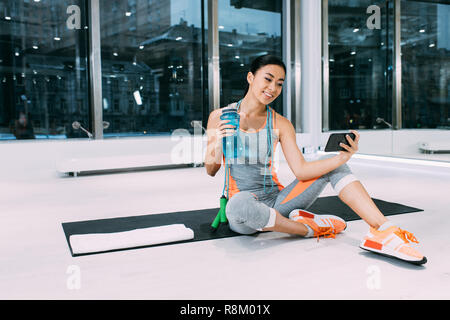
x,y
339,177
244,208
237,203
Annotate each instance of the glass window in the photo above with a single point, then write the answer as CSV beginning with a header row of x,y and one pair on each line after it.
x,y
247,29
360,64
43,69
425,48
151,55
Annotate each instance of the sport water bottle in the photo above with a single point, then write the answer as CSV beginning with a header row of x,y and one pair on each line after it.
x,y
231,144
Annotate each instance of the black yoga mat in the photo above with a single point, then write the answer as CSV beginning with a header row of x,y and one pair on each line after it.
x,y
200,220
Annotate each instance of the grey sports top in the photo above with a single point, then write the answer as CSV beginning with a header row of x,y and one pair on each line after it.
x,y
253,170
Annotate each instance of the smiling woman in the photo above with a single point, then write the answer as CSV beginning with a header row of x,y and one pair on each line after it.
x,y
257,201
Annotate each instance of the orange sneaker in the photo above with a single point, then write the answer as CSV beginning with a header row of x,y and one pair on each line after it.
x,y
393,242
322,225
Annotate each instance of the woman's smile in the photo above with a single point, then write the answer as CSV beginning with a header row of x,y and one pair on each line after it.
x,y
268,95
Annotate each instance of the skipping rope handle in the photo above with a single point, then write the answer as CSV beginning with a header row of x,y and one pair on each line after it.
x,y
221,215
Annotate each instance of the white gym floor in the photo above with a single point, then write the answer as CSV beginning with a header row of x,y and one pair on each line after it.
x,y
35,261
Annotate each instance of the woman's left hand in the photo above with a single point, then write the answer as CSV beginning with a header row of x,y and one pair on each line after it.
x,y
352,149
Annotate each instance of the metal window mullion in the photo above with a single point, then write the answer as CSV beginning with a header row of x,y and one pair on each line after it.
x,y
286,44
95,70
325,68
397,75
213,55
295,50
204,68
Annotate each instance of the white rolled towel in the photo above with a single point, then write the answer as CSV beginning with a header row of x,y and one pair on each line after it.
x,y
98,242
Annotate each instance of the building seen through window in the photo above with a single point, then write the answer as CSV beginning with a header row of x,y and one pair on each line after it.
x,y
361,65
151,65
43,69
425,51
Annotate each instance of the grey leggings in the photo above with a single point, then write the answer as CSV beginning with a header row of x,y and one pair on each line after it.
x,y
246,214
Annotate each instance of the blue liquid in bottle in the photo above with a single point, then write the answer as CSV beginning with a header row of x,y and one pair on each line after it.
x,y
231,145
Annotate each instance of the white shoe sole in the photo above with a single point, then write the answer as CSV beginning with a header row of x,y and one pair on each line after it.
x,y
387,252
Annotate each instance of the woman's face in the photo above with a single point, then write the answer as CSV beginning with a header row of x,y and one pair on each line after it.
x,y
266,83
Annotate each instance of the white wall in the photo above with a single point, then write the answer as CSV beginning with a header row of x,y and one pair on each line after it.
x,y
311,71
40,159
404,142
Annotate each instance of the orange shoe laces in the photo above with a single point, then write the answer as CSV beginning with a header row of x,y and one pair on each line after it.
x,y
326,233
405,235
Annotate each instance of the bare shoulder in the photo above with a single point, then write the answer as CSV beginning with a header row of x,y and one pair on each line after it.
x,y
214,117
215,113
283,125
281,120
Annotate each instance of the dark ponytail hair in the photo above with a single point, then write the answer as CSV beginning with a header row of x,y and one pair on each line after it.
x,y
262,61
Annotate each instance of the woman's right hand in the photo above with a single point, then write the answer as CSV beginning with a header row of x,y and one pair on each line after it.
x,y
224,129
217,129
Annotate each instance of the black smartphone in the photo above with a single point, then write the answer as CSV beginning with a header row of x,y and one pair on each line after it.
x,y
335,139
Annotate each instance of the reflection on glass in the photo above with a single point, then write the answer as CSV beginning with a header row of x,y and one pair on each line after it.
x,y
247,29
360,66
425,51
151,65
43,77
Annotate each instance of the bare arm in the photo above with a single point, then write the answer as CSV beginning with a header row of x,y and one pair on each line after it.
x,y
302,169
